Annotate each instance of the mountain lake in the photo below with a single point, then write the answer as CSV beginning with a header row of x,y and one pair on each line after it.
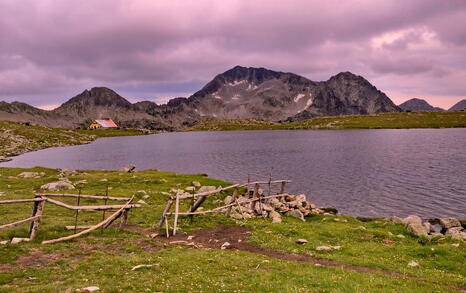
x,y
369,173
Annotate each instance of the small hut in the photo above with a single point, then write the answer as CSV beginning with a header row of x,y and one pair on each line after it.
x,y
103,123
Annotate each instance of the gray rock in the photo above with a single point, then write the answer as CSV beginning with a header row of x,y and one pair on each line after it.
x,y
301,241
228,199
225,245
413,264
412,219
196,184
4,242
448,223
296,214
190,188
417,229
128,168
276,217
456,233
59,185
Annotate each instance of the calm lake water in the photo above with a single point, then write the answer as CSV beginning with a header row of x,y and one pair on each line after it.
x,y
360,172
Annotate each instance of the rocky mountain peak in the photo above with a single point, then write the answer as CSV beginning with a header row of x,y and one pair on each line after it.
x,y
98,96
461,105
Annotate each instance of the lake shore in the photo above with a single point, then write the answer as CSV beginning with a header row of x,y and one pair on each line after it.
x,y
373,249
19,138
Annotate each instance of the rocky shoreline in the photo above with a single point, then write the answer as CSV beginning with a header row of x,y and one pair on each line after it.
x,y
437,227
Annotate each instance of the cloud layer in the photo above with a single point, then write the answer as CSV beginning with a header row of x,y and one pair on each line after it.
x,y
51,50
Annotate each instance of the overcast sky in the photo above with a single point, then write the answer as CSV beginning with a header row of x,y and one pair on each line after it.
x,y
51,50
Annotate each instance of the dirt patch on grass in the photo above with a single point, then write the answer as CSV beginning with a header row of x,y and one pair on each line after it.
x,y
237,236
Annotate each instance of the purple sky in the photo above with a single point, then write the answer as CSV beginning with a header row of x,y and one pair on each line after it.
x,y
51,50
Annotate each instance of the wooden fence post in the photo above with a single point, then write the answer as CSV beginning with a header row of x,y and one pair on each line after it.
x,y
124,218
164,214
38,210
177,209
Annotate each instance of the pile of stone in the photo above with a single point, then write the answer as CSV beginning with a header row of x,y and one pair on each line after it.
x,y
295,206
433,227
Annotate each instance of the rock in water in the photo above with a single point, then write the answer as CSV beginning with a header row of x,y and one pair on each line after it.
x,y
417,229
59,185
128,169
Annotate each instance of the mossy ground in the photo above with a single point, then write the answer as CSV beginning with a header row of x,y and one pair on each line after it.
x,y
105,258
376,121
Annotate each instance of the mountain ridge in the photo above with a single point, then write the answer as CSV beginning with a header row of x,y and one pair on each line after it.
x,y
416,104
240,92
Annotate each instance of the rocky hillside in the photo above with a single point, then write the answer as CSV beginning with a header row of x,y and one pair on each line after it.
x,y
461,105
240,92
415,105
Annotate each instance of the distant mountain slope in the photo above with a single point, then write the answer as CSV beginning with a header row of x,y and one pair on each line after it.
x,y
240,92
461,105
419,105
265,94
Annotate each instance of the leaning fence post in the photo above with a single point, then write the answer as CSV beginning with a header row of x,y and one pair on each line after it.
x,y
37,211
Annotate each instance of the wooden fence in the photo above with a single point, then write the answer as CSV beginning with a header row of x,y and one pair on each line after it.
x,y
39,204
201,197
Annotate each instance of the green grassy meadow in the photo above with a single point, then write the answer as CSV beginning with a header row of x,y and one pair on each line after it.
x,y
376,121
106,258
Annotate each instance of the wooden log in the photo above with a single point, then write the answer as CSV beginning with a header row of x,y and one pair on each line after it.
x,y
95,208
112,217
165,211
35,225
218,190
77,227
282,187
10,201
20,222
198,203
177,209
207,193
84,196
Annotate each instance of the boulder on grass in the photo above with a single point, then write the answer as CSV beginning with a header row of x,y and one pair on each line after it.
x,y
296,214
456,233
448,223
31,174
412,219
58,185
417,229
206,189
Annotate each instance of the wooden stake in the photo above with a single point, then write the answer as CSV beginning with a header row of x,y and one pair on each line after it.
x,y
77,211
103,213
177,208
166,227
